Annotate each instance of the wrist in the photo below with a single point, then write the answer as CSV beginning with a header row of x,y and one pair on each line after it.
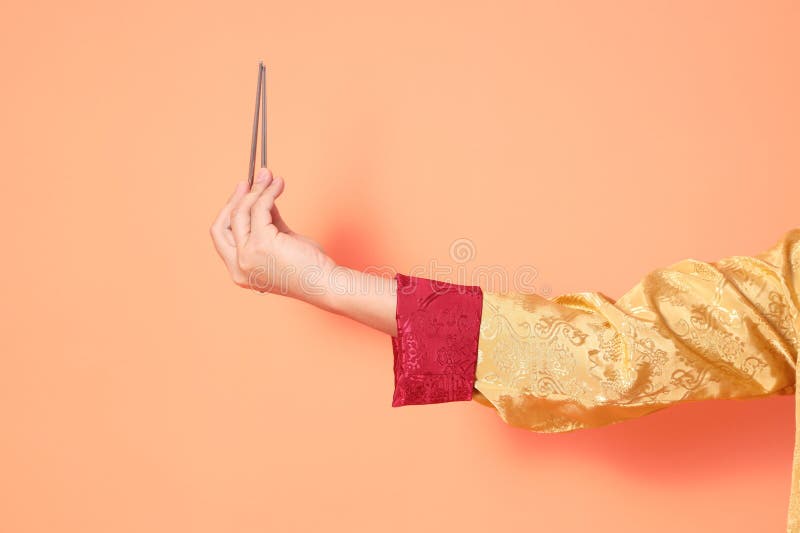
x,y
314,285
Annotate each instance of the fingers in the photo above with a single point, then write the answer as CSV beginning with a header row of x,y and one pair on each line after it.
x,y
277,219
238,191
220,230
221,224
240,216
261,212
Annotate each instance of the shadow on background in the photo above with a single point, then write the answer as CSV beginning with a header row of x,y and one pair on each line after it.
x,y
697,440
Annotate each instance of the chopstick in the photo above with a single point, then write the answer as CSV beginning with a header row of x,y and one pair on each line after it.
x,y
263,116
252,171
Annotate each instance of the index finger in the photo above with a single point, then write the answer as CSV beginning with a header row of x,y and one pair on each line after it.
x,y
223,217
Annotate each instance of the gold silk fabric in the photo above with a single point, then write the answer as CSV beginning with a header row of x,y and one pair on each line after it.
x,y
691,331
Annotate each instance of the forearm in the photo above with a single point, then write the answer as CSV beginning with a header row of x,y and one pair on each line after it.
x,y
366,298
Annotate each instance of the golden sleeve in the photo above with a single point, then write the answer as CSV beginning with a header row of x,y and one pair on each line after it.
x,y
692,331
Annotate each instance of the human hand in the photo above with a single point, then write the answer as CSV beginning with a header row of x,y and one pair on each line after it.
x,y
261,251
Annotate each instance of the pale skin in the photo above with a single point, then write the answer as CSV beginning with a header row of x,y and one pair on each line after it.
x,y
263,254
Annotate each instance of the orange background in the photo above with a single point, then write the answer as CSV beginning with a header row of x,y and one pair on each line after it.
x,y
140,390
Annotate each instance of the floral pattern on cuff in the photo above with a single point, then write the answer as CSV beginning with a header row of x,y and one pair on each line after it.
x,y
436,347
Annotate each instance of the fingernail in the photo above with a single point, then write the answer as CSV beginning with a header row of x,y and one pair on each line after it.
x,y
262,175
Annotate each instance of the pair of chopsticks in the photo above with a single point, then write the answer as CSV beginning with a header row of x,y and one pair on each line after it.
x,y
261,101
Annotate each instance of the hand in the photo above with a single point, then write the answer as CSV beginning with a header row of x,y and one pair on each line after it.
x,y
261,251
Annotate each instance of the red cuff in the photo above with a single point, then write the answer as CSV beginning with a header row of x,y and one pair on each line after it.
x,y
436,347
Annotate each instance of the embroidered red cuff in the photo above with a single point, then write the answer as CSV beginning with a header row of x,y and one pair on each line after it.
x,y
436,347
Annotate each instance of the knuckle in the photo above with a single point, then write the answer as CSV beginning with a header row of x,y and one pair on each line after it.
x,y
262,203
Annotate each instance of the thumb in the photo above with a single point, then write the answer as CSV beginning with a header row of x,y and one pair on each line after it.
x,y
278,221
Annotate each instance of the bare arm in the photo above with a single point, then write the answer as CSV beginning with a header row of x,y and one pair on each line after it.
x,y
370,300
